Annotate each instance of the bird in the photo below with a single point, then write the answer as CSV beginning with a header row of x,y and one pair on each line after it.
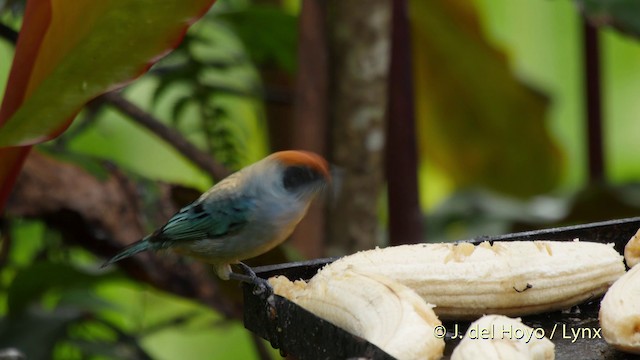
x,y
242,216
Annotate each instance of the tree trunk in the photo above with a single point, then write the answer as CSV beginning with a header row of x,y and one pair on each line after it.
x,y
359,45
405,215
310,115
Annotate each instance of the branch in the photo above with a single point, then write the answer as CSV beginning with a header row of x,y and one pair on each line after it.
x,y
125,338
198,157
5,242
405,215
102,216
593,102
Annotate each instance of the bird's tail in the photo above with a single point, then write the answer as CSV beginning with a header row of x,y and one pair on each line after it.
x,y
136,247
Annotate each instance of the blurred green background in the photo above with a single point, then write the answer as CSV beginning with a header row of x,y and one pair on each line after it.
x,y
501,141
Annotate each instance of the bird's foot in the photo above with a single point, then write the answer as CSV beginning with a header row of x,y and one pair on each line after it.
x,y
249,277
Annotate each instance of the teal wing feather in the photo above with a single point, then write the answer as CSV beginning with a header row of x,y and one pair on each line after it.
x,y
205,219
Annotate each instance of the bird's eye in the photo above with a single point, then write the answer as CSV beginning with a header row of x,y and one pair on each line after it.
x,y
296,176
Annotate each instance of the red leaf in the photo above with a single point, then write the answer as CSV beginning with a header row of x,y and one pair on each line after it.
x,y
69,52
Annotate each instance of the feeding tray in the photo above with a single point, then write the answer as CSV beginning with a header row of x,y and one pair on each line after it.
x,y
297,332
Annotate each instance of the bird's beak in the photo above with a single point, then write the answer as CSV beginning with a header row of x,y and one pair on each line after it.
x,y
333,188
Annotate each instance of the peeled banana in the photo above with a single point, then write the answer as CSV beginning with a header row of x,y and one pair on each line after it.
x,y
384,312
620,312
632,250
515,278
496,337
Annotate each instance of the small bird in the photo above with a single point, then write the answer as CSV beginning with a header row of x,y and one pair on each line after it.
x,y
244,215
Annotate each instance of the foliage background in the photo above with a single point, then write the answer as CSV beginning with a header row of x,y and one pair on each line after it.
x,y
219,89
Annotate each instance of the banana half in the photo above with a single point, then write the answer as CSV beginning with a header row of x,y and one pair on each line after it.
x,y
620,312
382,311
632,250
499,337
514,278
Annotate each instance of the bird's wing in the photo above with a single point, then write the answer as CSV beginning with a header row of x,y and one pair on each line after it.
x,y
206,219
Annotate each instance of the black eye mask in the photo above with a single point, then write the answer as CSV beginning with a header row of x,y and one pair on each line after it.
x,y
297,176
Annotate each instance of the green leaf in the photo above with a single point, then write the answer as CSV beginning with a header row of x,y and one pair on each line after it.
x,y
88,48
68,53
120,351
269,33
31,283
92,165
476,120
623,15
475,212
35,333
179,107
